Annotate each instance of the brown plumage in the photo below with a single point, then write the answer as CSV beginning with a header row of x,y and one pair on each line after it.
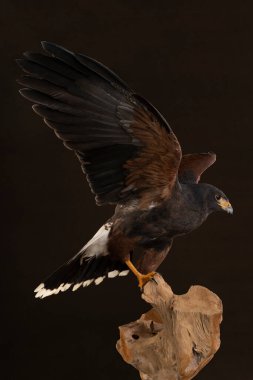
x,y
193,165
131,159
154,171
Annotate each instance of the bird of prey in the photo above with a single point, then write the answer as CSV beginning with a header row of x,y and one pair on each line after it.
x,y
131,159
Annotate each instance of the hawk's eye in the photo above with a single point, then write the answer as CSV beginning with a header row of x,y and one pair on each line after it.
x,y
217,197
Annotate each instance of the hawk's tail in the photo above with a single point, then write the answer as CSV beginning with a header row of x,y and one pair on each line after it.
x,y
91,265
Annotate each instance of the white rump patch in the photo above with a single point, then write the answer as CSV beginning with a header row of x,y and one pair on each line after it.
x,y
97,246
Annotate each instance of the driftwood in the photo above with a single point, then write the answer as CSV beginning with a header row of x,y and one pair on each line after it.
x,y
177,337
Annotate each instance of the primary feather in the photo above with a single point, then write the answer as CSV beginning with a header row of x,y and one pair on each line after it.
x,y
95,114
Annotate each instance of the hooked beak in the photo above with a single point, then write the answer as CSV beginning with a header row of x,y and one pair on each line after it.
x,y
225,205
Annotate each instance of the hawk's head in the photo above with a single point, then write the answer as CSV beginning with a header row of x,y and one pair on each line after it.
x,y
215,198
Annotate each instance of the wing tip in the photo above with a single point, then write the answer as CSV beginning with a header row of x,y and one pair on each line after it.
x,y
46,44
20,62
37,109
52,47
213,155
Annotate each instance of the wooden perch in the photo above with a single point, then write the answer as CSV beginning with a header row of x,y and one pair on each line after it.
x,y
177,337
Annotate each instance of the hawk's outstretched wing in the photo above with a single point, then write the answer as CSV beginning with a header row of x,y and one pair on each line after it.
x,y
193,165
126,148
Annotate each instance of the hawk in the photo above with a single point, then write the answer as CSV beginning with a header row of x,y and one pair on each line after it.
x,y
131,159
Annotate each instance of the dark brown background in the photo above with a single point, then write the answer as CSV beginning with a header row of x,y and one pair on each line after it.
x,y
193,61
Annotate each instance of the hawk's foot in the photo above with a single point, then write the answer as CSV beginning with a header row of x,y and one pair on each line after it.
x,y
144,278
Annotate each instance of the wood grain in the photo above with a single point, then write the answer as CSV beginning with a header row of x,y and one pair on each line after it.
x,y
177,337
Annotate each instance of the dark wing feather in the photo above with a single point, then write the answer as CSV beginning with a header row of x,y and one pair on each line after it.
x,y
193,165
92,64
126,148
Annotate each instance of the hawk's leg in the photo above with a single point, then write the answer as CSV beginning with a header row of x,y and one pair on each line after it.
x,y
142,278
150,259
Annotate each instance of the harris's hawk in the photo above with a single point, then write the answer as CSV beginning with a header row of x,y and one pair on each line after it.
x,y
131,159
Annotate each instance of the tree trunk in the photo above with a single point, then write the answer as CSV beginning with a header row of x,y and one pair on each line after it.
x,y
177,337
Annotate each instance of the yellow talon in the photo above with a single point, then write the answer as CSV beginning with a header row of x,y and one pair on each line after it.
x,y
142,278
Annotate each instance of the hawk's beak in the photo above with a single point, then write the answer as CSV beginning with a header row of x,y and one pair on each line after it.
x,y
225,205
